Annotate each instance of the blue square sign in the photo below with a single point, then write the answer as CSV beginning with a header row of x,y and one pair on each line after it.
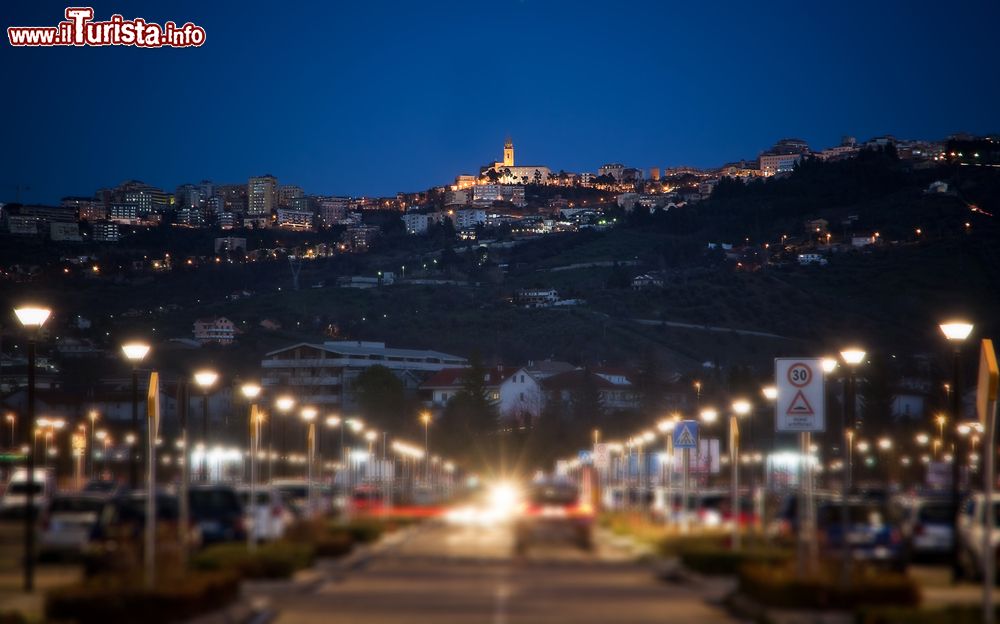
x,y
686,434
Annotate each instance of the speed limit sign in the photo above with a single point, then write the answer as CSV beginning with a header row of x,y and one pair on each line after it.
x,y
799,405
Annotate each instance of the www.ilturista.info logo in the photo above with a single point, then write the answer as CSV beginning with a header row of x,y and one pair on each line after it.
x,y
80,29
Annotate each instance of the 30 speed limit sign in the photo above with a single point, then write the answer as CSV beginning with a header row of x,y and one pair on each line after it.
x,y
799,405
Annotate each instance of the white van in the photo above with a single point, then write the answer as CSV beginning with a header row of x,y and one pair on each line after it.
x,y
14,495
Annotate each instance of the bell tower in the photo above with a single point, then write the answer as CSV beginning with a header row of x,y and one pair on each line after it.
x,y
508,153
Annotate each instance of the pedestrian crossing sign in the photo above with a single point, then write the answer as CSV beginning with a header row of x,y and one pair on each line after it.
x,y
686,434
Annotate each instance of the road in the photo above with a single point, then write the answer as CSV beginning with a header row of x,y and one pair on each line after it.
x,y
443,575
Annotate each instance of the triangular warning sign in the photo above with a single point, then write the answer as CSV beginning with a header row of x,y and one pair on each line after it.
x,y
685,437
800,406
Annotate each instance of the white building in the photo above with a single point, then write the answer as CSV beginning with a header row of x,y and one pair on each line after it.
x,y
323,374
262,195
469,218
522,396
220,330
615,170
808,259
295,219
771,164
416,223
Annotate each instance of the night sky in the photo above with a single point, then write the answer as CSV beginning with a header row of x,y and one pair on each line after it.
x,y
375,97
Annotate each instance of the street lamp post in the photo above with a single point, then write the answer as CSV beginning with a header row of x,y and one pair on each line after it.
x,y
93,423
425,418
739,408
667,427
956,332
12,421
309,416
32,319
708,416
251,391
333,421
852,358
284,405
204,379
184,458
135,352
102,435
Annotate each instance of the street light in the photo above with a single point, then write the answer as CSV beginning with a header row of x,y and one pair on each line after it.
x,y
425,418
284,405
93,415
739,408
852,357
828,364
205,379
770,392
309,416
335,421
31,318
956,332
251,391
135,352
12,421
709,416
666,427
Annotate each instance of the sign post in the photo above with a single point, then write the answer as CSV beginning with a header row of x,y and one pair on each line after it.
x,y
800,407
685,438
152,430
986,406
79,442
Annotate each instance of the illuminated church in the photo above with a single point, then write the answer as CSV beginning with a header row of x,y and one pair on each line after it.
x,y
516,174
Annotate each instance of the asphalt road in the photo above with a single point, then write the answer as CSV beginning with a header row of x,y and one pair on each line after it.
x,y
443,575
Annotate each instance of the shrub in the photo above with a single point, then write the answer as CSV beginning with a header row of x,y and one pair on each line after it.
x,y
954,614
362,531
276,560
119,599
334,544
782,586
717,560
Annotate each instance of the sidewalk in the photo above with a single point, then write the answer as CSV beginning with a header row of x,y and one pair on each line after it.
x,y
47,577
937,590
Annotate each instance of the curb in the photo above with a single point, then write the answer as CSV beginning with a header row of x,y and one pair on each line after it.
x,y
243,611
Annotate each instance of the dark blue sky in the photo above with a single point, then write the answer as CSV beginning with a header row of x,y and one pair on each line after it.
x,y
373,97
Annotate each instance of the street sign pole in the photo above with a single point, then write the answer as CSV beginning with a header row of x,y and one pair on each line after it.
x,y
685,437
800,407
684,492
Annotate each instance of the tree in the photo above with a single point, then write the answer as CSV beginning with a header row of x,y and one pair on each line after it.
x,y
382,398
468,427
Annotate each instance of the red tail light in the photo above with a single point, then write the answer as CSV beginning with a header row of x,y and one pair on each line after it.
x,y
276,511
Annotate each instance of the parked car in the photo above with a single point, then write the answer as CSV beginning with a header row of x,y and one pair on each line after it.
x,y
554,510
123,518
295,493
107,487
872,535
218,513
269,514
971,530
15,494
927,526
367,499
69,523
